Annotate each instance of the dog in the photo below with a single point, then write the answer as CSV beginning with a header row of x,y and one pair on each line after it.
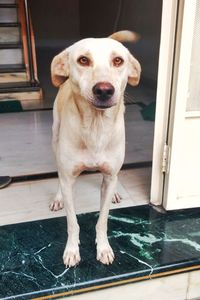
x,y
88,126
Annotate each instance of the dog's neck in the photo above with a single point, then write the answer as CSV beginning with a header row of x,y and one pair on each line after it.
x,y
96,124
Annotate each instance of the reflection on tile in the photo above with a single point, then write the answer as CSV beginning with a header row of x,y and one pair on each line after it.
x,y
146,244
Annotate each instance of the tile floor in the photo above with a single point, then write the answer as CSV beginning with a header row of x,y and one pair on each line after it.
x,y
27,201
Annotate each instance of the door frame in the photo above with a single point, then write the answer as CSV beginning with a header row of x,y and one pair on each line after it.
x,y
178,113
172,94
163,99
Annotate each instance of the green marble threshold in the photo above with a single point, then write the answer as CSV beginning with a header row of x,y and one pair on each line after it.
x,y
147,244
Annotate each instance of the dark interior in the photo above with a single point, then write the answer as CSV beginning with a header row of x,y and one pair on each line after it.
x,y
60,23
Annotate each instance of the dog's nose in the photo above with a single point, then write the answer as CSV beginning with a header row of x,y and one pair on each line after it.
x,y
103,91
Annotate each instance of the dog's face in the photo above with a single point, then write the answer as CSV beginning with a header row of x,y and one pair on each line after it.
x,y
98,69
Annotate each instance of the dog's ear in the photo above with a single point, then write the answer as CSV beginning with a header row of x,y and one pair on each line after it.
x,y
60,68
134,71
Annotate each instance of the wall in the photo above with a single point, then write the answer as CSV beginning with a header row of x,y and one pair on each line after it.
x,y
57,24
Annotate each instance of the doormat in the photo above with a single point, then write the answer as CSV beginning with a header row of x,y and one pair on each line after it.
x,y
8,106
148,112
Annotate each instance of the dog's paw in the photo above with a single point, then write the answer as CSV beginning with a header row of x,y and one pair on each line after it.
x,y
71,256
105,254
116,198
56,205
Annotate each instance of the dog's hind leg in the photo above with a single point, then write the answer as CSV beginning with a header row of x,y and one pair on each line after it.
x,y
116,198
57,203
55,127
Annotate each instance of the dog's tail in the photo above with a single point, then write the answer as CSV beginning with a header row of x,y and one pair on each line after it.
x,y
125,36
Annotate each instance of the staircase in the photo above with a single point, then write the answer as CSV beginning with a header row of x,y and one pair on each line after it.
x,y
18,72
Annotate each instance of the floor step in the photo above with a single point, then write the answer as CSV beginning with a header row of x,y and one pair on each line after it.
x,y
9,34
8,14
10,45
20,91
17,87
147,245
9,24
9,68
13,77
11,56
12,73
8,5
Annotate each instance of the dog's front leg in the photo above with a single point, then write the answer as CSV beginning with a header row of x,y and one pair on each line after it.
x,y
104,251
71,256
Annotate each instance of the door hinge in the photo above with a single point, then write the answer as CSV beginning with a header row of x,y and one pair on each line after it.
x,y
165,159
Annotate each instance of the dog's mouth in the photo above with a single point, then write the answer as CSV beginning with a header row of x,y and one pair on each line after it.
x,y
103,106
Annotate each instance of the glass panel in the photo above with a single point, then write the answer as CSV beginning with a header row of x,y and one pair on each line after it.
x,y
193,102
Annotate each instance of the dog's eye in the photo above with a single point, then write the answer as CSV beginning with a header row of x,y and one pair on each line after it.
x,y
84,61
117,61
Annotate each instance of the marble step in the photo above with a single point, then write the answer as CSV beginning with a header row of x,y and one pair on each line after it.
x,y
157,256
20,91
17,87
13,77
9,34
12,73
26,96
8,14
6,68
11,56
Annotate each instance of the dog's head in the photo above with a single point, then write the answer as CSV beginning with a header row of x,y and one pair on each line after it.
x,y
98,68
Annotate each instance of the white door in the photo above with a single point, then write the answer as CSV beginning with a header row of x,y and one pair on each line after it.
x,y
176,176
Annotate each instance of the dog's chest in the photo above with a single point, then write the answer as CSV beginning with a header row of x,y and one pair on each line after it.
x,y
96,134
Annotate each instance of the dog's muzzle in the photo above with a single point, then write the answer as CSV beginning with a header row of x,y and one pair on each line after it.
x,y
103,92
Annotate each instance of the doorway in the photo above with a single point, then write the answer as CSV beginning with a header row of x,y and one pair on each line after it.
x,y
27,152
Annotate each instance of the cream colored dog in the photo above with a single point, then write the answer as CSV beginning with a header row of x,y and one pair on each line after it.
x,y
88,127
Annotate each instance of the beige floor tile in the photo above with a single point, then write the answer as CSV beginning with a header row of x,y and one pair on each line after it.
x,y
28,201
